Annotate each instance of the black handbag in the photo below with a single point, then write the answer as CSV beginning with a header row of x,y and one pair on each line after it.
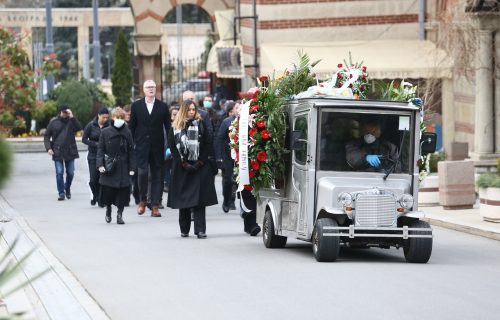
x,y
109,163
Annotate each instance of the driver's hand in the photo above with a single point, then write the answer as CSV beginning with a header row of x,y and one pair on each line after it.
x,y
373,160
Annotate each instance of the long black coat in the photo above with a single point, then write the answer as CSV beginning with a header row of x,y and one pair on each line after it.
x,y
147,131
222,148
91,135
116,142
189,190
60,137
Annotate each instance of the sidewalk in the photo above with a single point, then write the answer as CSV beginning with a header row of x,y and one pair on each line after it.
x,y
468,221
35,144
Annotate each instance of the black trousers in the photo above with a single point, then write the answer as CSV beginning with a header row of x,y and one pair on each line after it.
x,y
156,179
94,178
250,203
200,224
228,186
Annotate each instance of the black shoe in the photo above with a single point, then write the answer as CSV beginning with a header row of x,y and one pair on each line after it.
x,y
232,206
108,214
61,197
68,194
119,219
201,235
255,231
184,235
93,202
225,208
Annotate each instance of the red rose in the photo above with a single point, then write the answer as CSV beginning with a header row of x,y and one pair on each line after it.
x,y
255,165
350,86
256,94
361,87
252,132
339,75
363,76
261,123
364,68
339,65
254,108
264,134
350,75
251,173
261,156
263,78
235,138
248,187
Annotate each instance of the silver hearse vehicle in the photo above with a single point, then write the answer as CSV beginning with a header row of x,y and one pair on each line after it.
x,y
326,200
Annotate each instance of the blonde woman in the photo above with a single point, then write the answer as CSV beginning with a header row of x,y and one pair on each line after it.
x,y
192,187
115,143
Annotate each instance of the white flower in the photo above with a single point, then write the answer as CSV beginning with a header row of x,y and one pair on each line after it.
x,y
233,154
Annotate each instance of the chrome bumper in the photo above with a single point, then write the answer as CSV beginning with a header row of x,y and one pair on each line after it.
x,y
354,232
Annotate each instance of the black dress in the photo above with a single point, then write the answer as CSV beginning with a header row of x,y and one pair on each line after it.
x,y
115,186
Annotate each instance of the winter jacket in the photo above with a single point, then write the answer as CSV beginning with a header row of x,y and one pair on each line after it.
x,y
116,143
192,189
91,135
60,137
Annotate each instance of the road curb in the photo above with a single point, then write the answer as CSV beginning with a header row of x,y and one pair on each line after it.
x,y
59,292
463,228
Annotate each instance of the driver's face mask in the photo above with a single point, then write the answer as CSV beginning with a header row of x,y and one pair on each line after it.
x,y
369,138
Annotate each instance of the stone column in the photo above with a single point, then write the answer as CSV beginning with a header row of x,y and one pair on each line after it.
x,y
484,125
148,55
448,112
83,39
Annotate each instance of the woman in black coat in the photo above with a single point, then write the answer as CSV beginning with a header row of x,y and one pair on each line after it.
x,y
115,143
90,137
192,186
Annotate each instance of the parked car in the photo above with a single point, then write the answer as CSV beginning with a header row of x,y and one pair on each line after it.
x,y
174,92
200,87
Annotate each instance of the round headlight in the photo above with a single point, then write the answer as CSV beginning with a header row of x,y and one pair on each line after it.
x,y
406,201
345,199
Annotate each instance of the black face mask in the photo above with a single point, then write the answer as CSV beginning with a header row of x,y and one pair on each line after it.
x,y
64,119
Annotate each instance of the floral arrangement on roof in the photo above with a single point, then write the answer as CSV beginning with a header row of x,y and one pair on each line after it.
x,y
267,125
354,76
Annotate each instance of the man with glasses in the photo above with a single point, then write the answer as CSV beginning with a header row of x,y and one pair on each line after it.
x,y
149,117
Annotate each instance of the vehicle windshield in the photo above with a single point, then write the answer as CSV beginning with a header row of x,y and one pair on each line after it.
x,y
366,142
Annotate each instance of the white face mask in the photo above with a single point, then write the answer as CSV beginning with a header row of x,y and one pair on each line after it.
x,y
369,138
119,123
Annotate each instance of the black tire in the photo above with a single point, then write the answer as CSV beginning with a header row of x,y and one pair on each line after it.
x,y
325,248
418,250
271,240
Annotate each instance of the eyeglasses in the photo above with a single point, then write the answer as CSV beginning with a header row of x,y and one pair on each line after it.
x,y
151,87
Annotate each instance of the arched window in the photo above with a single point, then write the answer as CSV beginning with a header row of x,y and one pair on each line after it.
x,y
191,13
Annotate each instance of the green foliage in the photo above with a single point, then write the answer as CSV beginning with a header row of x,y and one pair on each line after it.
x,y
44,113
77,96
6,118
488,180
122,72
297,80
5,161
498,166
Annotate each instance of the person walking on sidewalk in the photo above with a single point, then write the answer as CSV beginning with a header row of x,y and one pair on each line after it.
x,y
59,141
224,160
115,161
192,186
149,117
90,137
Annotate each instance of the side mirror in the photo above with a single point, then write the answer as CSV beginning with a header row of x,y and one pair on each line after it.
x,y
428,143
297,141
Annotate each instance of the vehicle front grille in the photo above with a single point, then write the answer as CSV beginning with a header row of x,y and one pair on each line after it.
x,y
375,210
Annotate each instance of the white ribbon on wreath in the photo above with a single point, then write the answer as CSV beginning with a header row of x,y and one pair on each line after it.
x,y
243,175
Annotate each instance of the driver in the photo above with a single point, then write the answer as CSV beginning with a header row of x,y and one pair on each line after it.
x,y
366,153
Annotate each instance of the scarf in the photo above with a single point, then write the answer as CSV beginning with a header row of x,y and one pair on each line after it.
x,y
186,141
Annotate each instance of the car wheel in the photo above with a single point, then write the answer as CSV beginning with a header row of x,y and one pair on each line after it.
x,y
325,248
418,250
271,240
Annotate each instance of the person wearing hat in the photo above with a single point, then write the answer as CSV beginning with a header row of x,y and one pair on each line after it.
x,y
90,137
59,141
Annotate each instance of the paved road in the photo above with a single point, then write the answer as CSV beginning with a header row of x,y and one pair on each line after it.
x,y
144,270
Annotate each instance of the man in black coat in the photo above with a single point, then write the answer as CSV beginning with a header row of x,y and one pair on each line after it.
x,y
148,118
90,137
59,141
223,157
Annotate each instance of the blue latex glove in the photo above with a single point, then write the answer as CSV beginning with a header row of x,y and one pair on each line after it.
x,y
373,160
168,153
418,102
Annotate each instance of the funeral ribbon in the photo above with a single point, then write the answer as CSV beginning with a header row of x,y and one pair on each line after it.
x,y
244,177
